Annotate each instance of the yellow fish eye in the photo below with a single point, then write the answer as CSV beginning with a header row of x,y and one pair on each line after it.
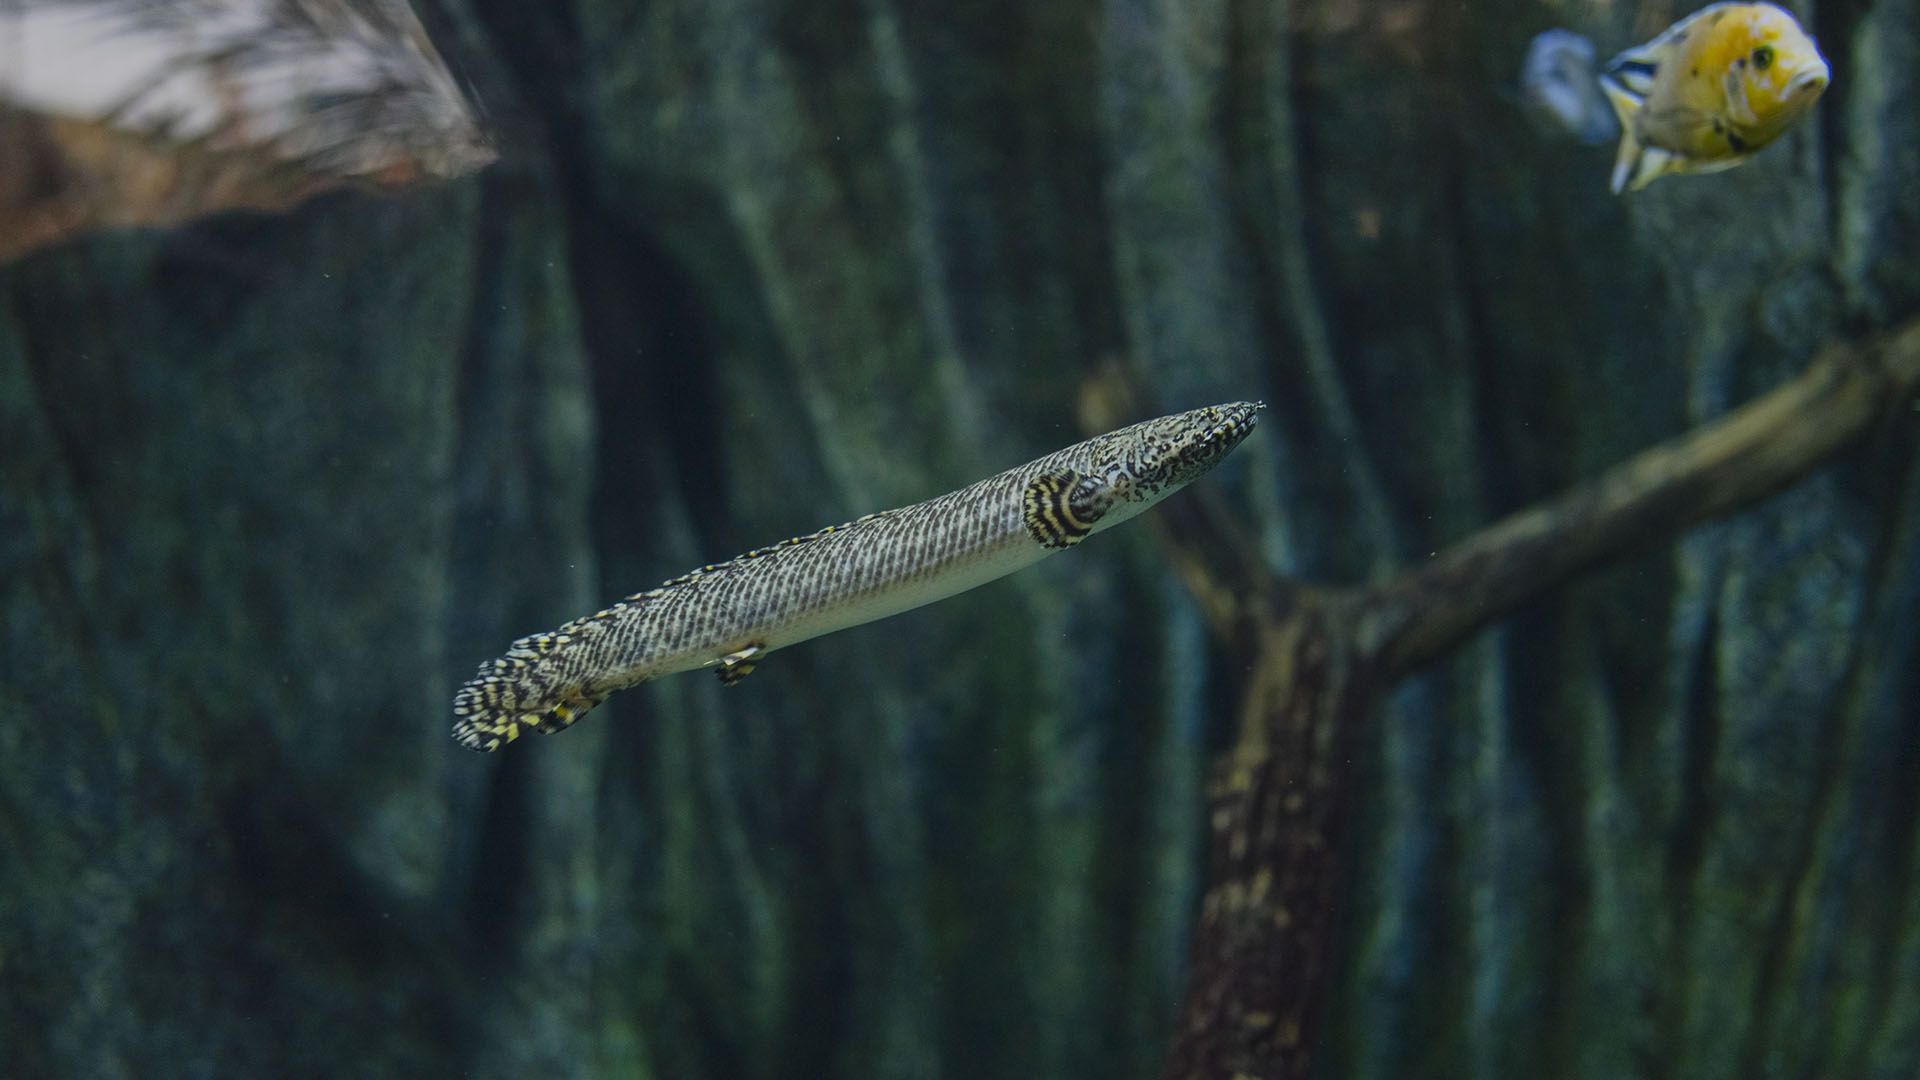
x,y
1763,57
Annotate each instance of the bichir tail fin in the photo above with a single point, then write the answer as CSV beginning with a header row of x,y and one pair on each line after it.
x,y
516,692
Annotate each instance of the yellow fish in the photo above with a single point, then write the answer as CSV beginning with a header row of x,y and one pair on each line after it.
x,y
1715,87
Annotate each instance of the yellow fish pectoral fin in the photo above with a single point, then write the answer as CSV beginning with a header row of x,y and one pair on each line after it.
x,y
1721,165
1637,164
1651,164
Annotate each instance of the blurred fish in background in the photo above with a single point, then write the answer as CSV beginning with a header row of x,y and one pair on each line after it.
x,y
1560,86
123,112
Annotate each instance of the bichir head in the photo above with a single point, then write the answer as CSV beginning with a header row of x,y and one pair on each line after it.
x,y
1173,451
1108,479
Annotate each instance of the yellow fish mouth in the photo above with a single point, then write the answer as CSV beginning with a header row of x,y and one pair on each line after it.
x,y
1811,80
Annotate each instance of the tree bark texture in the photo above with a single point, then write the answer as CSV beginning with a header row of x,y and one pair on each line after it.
x,y
1320,662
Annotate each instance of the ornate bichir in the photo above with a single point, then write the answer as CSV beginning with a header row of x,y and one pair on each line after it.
x,y
729,616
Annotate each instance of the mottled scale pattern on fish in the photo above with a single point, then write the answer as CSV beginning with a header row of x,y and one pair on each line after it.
x,y
730,615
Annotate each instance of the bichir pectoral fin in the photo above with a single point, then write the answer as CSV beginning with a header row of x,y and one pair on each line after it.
x,y
738,665
1062,507
568,712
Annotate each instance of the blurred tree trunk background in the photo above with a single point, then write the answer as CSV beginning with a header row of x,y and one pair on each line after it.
x,y
272,485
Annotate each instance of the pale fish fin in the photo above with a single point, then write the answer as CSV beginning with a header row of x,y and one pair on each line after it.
x,y
1652,165
1626,104
1634,70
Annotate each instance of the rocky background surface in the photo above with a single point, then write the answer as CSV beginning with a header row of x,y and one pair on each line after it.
x,y
271,486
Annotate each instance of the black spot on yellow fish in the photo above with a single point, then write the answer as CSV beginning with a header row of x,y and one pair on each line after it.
x,y
1763,57
1738,144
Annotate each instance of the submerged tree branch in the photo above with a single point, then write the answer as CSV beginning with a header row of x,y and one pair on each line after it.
x,y
1319,660
1754,451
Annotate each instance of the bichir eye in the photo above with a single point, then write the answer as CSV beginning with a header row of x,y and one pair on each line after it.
x,y
1763,57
